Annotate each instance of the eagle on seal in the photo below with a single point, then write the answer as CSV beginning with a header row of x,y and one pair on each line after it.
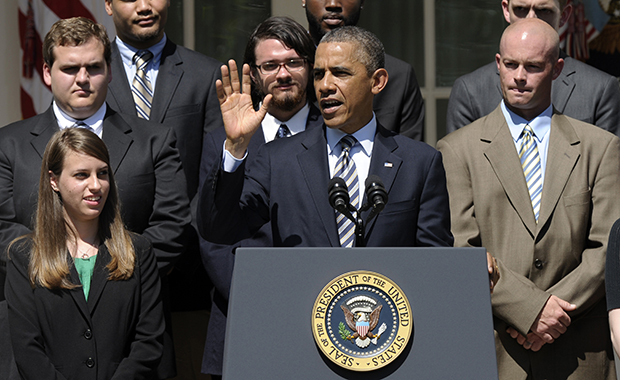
x,y
361,322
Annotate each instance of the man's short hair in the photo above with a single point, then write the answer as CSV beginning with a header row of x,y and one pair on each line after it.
x,y
370,50
74,32
293,35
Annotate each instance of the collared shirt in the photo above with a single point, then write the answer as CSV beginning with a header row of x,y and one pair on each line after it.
x,y
152,69
95,122
295,124
360,152
541,125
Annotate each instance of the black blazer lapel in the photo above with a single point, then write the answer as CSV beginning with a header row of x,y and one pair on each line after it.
x,y
44,129
315,170
78,293
168,79
116,135
99,278
119,90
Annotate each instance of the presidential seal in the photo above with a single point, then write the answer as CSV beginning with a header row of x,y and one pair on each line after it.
x,y
362,321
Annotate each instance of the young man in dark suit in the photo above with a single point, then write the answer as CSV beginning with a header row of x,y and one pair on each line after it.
x,y
182,83
581,91
281,54
400,107
143,154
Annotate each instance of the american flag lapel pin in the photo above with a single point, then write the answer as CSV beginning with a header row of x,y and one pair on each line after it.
x,y
388,164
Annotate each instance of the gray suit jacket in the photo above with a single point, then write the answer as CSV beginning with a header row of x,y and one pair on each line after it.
x,y
581,92
562,255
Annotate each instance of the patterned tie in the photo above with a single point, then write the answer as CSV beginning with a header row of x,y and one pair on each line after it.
x,y
141,87
345,168
81,124
283,131
530,161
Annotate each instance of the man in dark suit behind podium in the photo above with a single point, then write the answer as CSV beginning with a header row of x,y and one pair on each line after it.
x,y
184,99
143,154
399,107
287,183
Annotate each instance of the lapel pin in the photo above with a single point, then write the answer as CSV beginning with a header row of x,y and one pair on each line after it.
x,y
388,164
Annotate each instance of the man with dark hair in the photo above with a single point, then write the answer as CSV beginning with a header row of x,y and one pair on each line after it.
x,y
299,213
400,107
143,154
538,190
280,54
159,80
581,91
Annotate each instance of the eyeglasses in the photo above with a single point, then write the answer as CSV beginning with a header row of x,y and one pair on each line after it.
x,y
291,65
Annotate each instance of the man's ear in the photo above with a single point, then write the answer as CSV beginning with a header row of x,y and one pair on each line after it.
x,y
47,75
557,68
379,80
568,9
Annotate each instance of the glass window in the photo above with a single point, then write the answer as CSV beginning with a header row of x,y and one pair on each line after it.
x,y
399,24
223,27
467,36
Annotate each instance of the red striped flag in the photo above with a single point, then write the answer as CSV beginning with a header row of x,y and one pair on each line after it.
x,y
35,19
577,32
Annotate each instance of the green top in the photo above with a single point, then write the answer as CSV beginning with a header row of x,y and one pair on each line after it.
x,y
85,269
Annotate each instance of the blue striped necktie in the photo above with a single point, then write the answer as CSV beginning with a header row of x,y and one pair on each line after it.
x,y
345,169
283,131
532,170
141,87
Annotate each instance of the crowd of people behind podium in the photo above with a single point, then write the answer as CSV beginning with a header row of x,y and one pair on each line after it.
x,y
122,205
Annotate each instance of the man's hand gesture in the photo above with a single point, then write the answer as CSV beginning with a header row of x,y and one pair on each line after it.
x,y
240,119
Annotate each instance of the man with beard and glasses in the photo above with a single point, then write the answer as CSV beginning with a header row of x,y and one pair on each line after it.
x,y
166,83
281,54
399,107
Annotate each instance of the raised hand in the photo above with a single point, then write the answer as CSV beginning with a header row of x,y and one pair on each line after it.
x,y
240,118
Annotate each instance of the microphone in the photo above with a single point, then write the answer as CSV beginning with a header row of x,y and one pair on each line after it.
x,y
376,196
339,197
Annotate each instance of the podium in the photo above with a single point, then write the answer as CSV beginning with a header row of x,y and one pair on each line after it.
x,y
269,331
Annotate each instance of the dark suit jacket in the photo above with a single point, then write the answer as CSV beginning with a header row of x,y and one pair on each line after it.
x,y
146,168
287,185
185,100
218,259
581,92
57,334
562,255
400,107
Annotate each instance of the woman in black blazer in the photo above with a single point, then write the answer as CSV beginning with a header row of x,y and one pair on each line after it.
x,y
82,291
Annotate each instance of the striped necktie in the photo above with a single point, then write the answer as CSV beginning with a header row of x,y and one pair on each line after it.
x,y
530,162
141,87
345,168
81,124
283,131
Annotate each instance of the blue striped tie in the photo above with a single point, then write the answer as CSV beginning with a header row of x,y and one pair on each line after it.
x,y
345,168
141,86
530,162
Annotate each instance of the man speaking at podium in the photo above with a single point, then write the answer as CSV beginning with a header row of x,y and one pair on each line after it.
x,y
287,183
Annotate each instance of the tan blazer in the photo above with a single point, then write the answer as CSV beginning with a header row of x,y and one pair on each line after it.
x,y
563,255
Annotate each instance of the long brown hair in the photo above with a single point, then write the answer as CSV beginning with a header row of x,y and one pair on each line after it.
x,y
49,261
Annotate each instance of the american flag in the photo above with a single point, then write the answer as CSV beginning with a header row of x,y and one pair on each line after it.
x,y
35,20
584,24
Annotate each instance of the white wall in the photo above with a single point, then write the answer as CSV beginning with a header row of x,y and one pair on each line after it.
x,y
9,63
